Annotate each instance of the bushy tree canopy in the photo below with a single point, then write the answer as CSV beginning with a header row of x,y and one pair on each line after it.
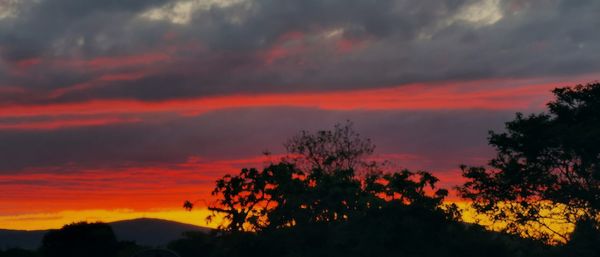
x,y
318,181
547,167
80,239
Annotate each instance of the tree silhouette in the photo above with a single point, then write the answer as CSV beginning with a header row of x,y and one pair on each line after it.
x,y
326,178
328,198
329,151
547,167
242,199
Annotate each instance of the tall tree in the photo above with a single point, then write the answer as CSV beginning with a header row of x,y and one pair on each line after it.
x,y
547,167
318,182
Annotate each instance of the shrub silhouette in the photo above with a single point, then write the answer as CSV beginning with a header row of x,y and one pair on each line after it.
x,y
80,239
16,252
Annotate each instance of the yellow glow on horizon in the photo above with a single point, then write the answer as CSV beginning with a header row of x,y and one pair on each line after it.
x,y
469,215
54,220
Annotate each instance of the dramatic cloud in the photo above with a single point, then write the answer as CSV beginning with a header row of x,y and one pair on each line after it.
x,y
73,50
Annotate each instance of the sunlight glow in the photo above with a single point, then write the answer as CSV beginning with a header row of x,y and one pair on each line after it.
x,y
9,9
181,12
551,225
482,13
53,220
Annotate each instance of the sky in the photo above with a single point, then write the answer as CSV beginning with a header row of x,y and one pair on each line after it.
x,y
119,109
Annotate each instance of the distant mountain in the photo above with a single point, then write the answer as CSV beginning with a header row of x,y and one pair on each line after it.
x,y
20,238
145,231
152,232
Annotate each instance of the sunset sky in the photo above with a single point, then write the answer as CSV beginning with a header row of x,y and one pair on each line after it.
x,y
120,109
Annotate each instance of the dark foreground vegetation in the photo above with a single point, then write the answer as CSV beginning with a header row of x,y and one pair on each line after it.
x,y
329,198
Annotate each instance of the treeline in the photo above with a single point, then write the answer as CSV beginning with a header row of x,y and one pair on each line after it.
x,y
328,197
79,239
392,231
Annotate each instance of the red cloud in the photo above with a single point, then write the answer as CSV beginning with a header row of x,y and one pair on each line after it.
x,y
488,94
26,63
124,61
441,96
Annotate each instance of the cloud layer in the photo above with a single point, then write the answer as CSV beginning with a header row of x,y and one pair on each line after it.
x,y
73,50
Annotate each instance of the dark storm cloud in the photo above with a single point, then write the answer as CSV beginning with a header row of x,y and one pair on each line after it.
x,y
442,139
250,46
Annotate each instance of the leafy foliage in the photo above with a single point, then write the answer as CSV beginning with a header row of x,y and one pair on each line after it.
x,y
395,230
318,183
547,167
329,151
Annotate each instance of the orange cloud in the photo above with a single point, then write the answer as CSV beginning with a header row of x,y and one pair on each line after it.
x,y
489,94
26,63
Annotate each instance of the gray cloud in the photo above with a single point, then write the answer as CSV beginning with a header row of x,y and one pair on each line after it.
x,y
225,49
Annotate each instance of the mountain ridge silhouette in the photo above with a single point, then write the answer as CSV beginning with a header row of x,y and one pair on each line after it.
x,y
144,231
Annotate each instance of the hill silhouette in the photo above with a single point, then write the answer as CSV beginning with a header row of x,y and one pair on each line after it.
x,y
152,232
143,231
26,239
